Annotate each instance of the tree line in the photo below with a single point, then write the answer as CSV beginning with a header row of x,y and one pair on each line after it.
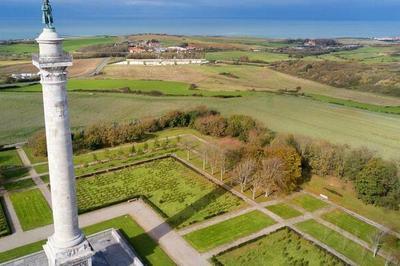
x,y
253,156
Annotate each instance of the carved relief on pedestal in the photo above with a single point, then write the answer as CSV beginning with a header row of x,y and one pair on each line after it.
x,y
54,75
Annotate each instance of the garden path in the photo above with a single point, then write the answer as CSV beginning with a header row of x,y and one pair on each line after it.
x,y
35,177
11,214
171,242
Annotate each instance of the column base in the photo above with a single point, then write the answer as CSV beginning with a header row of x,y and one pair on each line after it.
x,y
79,255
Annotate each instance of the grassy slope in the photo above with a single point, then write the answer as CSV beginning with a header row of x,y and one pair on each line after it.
x,y
31,208
343,245
23,115
345,196
283,247
143,244
228,231
180,194
308,203
253,56
284,211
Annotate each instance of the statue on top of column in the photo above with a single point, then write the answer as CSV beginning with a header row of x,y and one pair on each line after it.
x,y
47,14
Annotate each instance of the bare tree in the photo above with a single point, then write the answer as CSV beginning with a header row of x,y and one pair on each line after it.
x,y
213,157
243,173
273,174
377,241
257,183
188,146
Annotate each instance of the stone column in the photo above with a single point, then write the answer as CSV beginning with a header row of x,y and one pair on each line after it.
x,y
68,245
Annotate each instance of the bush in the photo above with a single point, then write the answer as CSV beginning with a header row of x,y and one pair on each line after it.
x,y
38,143
213,125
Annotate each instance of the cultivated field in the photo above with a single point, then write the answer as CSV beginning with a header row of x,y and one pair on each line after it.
x,y
22,115
244,78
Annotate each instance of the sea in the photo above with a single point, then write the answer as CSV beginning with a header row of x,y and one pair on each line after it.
x,y
30,28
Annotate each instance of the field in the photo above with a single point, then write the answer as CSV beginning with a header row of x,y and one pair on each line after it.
x,y
143,244
22,115
228,231
308,203
245,78
31,208
69,45
4,228
343,245
252,56
180,195
283,247
344,195
285,211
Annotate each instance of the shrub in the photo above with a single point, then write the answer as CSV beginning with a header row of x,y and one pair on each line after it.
x,y
213,125
38,143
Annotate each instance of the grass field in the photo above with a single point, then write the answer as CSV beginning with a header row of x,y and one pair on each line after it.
x,y
31,208
308,203
23,184
69,45
266,57
147,249
283,247
11,166
338,242
22,115
228,231
344,195
4,227
180,195
283,210
208,77
351,224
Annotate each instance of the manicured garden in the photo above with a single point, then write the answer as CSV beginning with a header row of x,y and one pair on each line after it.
x,y
31,208
341,244
283,247
182,196
4,227
283,210
22,184
352,225
228,231
11,166
309,203
147,249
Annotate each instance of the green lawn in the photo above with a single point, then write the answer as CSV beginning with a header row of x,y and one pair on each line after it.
x,y
168,88
4,227
359,105
146,248
23,184
282,248
42,168
69,45
31,208
228,231
352,225
11,165
309,203
178,193
285,211
338,242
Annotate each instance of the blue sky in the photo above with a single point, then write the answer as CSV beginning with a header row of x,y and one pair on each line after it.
x,y
266,9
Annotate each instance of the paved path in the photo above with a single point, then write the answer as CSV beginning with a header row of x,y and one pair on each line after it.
x,y
99,67
11,214
35,177
171,242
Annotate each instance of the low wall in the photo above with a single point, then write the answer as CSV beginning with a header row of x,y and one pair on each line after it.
x,y
162,62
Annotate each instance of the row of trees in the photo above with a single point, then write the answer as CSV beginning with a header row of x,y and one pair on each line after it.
x,y
254,156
